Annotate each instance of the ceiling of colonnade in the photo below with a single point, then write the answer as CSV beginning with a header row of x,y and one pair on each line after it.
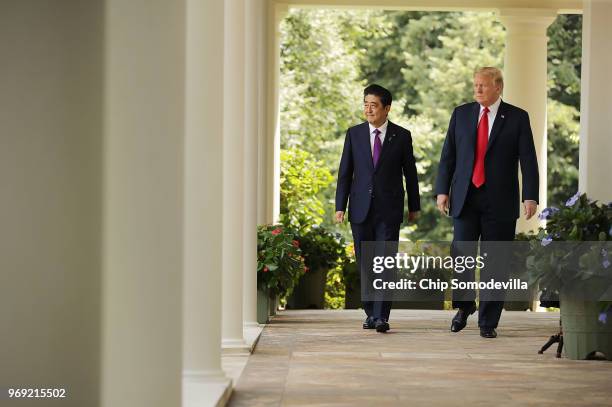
x,y
562,6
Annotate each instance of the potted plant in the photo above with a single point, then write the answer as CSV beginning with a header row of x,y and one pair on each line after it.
x,y
279,266
571,257
322,251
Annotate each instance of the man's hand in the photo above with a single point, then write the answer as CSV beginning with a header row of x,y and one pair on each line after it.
x,y
530,208
339,216
412,216
442,204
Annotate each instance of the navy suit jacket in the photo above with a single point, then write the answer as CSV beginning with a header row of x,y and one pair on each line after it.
x,y
510,142
360,183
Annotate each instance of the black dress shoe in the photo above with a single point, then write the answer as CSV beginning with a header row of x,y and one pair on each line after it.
x,y
460,319
488,333
382,325
369,323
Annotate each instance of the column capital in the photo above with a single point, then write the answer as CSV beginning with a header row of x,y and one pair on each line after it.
x,y
527,21
280,11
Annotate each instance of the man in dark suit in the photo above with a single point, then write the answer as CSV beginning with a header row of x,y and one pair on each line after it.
x,y
377,156
485,142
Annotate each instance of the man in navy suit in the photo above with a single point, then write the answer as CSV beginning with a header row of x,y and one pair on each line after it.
x,y
485,142
377,156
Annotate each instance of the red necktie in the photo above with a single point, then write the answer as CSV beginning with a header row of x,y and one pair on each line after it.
x,y
478,174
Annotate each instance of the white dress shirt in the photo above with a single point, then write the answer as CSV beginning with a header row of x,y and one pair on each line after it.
x,y
383,132
491,115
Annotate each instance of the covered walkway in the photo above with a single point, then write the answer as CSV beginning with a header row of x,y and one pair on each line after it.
x,y
141,149
324,358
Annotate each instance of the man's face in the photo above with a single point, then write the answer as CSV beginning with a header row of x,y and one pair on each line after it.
x,y
486,92
374,111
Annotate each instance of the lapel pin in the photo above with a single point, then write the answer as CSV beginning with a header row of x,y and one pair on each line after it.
x,y
502,116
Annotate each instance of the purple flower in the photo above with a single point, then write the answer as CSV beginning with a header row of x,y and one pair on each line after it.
x,y
606,263
573,199
603,317
546,241
548,212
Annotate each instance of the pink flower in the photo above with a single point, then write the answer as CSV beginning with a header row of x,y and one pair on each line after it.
x,y
296,243
265,269
277,231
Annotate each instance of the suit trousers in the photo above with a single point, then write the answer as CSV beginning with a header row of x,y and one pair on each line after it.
x,y
478,222
373,229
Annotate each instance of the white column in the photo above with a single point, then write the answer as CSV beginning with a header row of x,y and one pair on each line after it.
x,y
264,67
143,204
276,12
525,78
233,174
596,101
253,11
204,382
51,114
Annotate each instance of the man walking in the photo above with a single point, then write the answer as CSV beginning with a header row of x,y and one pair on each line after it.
x,y
485,142
377,156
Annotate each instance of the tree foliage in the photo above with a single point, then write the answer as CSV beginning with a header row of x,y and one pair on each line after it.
x,y
565,59
320,85
302,178
429,58
563,128
564,64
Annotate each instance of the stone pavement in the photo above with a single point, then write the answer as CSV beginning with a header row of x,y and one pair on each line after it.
x,y
325,358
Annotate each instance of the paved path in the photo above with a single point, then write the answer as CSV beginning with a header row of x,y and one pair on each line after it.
x,y
325,358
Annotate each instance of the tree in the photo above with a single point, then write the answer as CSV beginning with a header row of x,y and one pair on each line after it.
x,y
320,90
565,59
436,54
563,127
564,64
302,178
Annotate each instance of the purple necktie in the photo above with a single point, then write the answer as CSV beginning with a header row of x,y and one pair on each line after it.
x,y
377,147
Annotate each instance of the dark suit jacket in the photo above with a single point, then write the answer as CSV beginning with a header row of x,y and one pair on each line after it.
x,y
361,183
510,142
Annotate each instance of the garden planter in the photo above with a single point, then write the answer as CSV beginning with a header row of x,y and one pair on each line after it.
x,y
266,306
309,293
263,307
583,333
524,305
273,302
